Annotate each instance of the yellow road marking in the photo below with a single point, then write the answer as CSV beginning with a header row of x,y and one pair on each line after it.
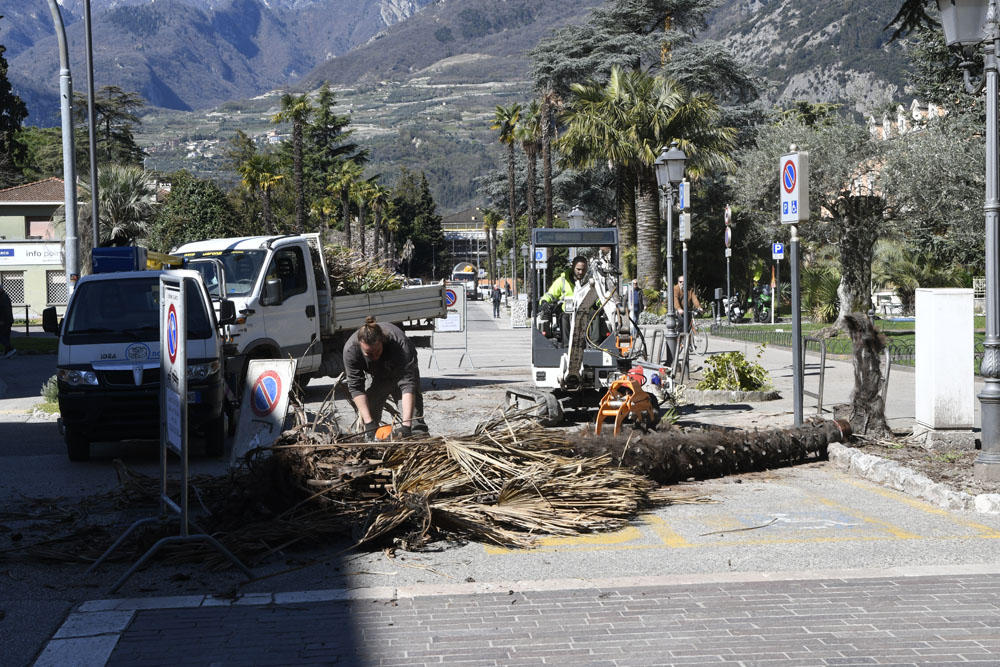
x,y
670,538
923,506
893,530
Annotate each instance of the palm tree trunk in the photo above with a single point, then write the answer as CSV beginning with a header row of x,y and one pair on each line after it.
x,y
346,204
361,225
627,216
547,158
300,206
511,188
647,227
530,189
266,203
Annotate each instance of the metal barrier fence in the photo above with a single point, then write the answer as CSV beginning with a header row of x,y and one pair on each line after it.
x,y
900,352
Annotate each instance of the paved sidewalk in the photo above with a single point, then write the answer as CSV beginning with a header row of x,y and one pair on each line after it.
x,y
915,616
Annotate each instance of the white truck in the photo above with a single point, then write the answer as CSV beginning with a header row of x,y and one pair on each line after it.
x,y
280,288
108,363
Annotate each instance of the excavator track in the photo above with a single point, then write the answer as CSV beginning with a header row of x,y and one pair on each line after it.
x,y
543,404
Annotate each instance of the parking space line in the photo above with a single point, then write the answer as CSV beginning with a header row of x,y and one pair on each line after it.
x,y
924,506
895,531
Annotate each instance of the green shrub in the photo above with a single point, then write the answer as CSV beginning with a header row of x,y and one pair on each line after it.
x,y
50,390
732,371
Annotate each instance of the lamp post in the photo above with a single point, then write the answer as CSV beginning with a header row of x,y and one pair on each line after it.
x,y
576,219
969,23
513,271
524,262
670,170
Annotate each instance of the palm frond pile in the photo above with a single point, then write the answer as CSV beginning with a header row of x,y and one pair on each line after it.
x,y
352,273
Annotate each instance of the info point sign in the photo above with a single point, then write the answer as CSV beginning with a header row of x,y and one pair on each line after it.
x,y
793,185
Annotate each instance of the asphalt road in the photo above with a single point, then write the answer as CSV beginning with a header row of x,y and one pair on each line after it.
x,y
807,518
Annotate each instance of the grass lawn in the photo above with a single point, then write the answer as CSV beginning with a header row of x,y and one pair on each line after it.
x,y
35,344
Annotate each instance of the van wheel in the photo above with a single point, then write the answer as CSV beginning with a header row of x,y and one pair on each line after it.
x,y
215,436
77,446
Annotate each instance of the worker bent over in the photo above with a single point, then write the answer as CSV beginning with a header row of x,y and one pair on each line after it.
x,y
385,353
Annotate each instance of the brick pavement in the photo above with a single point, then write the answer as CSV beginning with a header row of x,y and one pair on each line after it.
x,y
914,616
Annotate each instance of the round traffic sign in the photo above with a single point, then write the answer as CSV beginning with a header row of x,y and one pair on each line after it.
x,y
450,297
172,334
729,236
266,393
728,214
788,176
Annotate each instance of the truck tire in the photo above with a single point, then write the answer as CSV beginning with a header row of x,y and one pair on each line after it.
x,y
77,446
215,436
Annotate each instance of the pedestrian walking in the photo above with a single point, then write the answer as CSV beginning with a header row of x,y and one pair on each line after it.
x,y
6,323
496,296
636,304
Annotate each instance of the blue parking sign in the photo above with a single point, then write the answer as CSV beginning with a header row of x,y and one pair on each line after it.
x,y
784,208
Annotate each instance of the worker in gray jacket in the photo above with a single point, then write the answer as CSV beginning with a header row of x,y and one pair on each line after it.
x,y
383,352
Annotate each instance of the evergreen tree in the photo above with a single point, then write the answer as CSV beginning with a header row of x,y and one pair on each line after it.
x,y
115,117
196,209
327,142
12,112
420,223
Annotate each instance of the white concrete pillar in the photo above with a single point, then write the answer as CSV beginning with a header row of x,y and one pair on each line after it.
x,y
945,381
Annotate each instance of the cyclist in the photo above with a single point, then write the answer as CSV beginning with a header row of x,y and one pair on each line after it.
x,y
693,302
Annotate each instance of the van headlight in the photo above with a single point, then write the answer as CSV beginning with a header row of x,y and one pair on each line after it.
x,y
75,378
202,371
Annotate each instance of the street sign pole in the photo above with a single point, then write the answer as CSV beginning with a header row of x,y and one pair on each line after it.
x,y
796,330
727,218
793,190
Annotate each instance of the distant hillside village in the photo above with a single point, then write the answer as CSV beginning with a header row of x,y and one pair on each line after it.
x,y
210,148
906,120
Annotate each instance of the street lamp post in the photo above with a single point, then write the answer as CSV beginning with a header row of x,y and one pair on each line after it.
x,y
513,271
524,262
969,23
576,219
670,170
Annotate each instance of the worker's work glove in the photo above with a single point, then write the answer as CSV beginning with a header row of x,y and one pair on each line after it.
x,y
405,432
370,428
546,309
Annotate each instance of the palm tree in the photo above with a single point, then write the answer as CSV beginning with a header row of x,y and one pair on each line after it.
x,y
362,192
380,200
529,135
551,103
341,182
296,109
259,173
899,267
505,120
627,121
126,209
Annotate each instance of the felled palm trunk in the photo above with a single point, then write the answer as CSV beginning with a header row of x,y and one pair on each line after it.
x,y
867,405
675,456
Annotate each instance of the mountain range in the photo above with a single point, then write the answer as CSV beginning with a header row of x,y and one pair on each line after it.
x,y
420,78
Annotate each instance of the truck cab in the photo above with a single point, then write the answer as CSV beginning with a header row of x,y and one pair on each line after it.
x,y
108,364
280,291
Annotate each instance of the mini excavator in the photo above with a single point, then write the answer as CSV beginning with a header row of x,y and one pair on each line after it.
x,y
586,357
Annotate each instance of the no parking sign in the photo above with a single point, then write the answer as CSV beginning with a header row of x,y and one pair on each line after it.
x,y
173,361
265,402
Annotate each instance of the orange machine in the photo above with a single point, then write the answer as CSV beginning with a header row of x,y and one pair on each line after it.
x,y
624,398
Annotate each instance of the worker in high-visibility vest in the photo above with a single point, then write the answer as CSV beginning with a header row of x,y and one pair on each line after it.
x,y
554,301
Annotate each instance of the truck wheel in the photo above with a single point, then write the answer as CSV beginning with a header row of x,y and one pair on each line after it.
x,y
215,436
77,446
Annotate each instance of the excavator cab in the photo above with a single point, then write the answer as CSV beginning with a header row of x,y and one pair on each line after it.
x,y
576,355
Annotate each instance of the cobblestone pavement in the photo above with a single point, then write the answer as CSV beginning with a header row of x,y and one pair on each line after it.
x,y
861,618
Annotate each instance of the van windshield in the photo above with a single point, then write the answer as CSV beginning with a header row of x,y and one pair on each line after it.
x,y
115,311
241,267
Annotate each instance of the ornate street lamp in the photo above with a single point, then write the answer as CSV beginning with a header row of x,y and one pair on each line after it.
x,y
968,23
670,170
575,218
